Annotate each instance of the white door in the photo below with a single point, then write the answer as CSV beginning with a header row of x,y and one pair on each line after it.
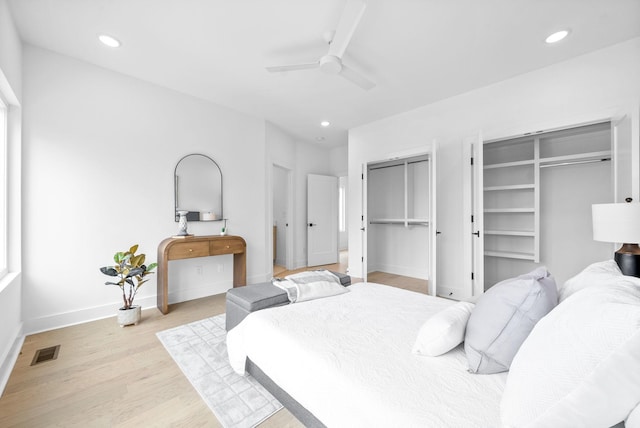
x,y
477,220
433,224
322,220
453,230
625,156
364,223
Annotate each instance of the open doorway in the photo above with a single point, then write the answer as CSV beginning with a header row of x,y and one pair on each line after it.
x,y
282,203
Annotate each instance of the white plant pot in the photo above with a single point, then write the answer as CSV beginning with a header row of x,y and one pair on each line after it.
x,y
129,316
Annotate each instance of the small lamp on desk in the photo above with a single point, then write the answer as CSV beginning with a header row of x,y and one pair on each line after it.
x,y
620,223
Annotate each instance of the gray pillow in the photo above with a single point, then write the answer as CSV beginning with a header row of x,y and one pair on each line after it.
x,y
503,318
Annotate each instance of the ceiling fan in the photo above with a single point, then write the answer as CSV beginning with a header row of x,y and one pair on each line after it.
x,y
338,40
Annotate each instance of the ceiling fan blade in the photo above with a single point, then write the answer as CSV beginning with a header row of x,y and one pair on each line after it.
x,y
349,21
357,78
293,67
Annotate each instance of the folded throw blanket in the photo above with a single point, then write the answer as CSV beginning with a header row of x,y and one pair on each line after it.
x,y
310,285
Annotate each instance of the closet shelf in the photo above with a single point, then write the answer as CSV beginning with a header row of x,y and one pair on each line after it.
x,y
510,164
409,221
510,187
510,255
510,232
509,210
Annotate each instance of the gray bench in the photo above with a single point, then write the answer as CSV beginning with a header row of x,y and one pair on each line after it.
x,y
241,301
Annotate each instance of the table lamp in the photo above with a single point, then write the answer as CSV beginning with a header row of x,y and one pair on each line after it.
x,y
620,223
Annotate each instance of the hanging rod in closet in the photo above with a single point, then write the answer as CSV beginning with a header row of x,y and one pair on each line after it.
x,y
372,168
575,162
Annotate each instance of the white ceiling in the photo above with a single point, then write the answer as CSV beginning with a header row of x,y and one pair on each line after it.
x,y
417,51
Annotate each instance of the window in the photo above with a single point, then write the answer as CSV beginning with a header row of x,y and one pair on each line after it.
x,y
3,187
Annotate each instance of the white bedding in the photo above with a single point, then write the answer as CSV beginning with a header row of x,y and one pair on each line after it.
x,y
348,360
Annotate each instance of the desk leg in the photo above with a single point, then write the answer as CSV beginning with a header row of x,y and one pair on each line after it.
x,y
240,269
162,291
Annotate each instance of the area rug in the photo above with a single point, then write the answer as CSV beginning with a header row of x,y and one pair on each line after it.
x,y
200,350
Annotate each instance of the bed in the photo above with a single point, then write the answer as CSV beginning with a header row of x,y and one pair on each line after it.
x,y
347,360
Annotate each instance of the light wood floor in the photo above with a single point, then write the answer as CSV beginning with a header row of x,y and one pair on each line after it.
x,y
108,376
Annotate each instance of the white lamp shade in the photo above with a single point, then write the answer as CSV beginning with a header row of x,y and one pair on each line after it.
x,y
616,222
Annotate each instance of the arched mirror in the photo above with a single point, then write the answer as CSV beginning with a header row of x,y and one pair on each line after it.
x,y
198,188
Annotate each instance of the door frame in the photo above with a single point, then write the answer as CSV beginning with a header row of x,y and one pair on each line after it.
x,y
289,232
364,225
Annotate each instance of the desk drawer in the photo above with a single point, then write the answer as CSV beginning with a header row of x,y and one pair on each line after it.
x,y
226,246
186,250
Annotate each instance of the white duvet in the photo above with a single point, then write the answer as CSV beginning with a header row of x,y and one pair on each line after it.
x,y
348,360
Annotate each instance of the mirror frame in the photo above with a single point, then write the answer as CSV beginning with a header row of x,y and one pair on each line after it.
x,y
175,189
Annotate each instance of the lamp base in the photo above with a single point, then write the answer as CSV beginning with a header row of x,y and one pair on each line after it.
x,y
628,259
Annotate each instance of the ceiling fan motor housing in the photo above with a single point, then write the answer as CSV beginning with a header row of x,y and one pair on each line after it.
x,y
330,64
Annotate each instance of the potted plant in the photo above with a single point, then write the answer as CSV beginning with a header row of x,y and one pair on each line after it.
x,y
130,269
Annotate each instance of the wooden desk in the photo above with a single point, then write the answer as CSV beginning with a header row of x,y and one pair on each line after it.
x,y
199,246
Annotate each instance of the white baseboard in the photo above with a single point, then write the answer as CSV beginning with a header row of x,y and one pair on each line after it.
x,y
66,319
9,360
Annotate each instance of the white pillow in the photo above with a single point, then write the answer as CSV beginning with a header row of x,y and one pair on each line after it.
x,y
503,318
599,273
443,331
633,420
580,366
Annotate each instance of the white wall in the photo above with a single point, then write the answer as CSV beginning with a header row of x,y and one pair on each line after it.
x,y
11,285
338,161
99,154
594,86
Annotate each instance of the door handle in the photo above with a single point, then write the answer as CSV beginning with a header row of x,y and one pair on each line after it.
x,y
362,229
476,233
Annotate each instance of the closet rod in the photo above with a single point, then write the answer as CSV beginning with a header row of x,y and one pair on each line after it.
x,y
371,168
574,162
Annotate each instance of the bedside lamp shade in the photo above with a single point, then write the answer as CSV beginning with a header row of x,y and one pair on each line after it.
x,y
620,223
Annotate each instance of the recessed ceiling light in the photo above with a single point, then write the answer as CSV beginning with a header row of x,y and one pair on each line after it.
x,y
110,41
325,123
557,36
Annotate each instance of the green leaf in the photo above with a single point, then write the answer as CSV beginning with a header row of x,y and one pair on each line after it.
x,y
117,257
133,249
152,266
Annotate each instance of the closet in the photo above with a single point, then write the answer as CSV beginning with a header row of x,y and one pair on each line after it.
x,y
399,207
535,194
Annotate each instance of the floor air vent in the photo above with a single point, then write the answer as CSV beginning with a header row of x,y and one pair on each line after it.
x,y
45,354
